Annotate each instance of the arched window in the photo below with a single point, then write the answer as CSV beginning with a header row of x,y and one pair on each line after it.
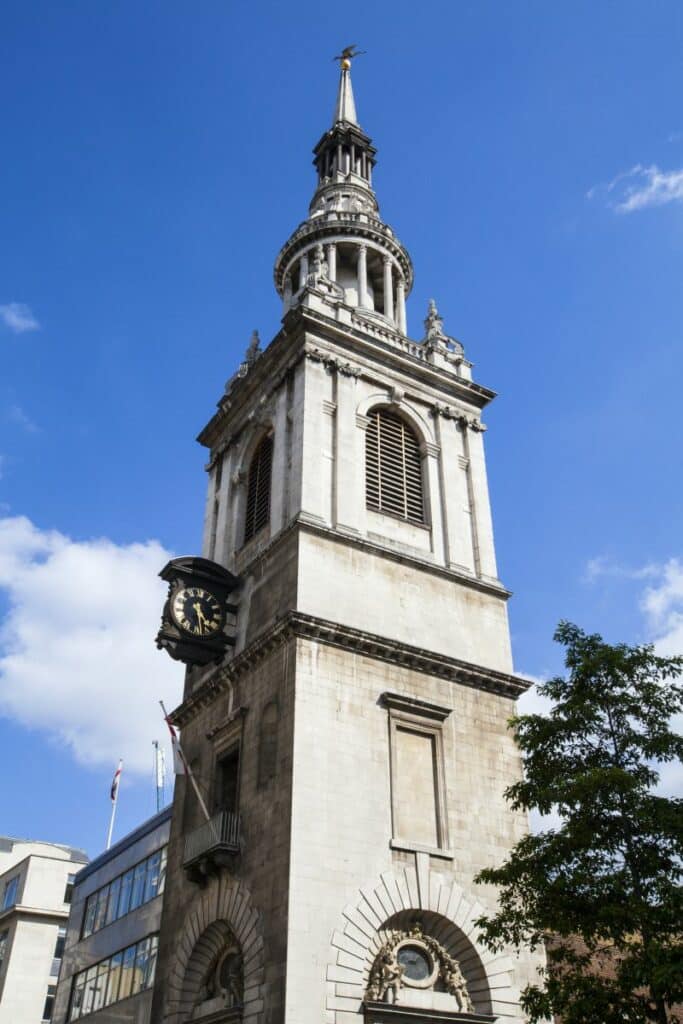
x,y
258,489
393,467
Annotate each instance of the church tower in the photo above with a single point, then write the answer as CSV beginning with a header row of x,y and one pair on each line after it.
x,y
352,749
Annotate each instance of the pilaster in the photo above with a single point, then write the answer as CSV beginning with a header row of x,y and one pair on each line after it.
x,y
481,506
455,502
349,501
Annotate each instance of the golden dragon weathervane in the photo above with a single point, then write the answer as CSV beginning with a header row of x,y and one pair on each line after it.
x,y
347,55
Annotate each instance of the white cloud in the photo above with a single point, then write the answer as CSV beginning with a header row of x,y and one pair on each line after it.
x,y
531,702
602,567
18,317
641,187
662,603
77,653
17,415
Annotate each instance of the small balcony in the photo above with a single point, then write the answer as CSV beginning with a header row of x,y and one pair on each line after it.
x,y
212,846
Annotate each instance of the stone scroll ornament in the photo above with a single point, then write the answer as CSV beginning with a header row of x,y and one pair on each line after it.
x,y
388,974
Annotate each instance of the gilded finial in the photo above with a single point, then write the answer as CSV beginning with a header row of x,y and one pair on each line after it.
x,y
347,55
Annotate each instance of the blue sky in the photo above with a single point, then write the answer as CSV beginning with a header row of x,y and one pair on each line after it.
x,y
157,155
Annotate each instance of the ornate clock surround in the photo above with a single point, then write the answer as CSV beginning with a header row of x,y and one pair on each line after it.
x,y
201,575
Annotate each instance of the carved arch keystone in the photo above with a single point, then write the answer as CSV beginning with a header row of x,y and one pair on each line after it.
x,y
419,423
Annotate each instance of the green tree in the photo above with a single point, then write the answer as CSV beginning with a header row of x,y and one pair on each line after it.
x,y
602,889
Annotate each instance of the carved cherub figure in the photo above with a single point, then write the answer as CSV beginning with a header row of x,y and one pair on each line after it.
x,y
391,977
454,982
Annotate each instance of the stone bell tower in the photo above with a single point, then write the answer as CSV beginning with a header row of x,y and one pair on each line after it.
x,y
352,748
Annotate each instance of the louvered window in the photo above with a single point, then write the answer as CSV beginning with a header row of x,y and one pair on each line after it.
x,y
258,489
393,465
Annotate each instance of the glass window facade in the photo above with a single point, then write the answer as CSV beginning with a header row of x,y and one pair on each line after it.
x,y
124,974
125,893
9,897
69,888
49,1002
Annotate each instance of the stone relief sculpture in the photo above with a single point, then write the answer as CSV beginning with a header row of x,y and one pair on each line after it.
x,y
221,986
318,277
386,976
415,960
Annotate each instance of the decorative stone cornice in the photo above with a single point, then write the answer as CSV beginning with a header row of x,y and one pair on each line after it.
x,y
333,364
413,706
298,625
462,418
362,336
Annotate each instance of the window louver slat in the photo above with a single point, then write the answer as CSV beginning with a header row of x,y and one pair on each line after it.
x,y
258,489
393,468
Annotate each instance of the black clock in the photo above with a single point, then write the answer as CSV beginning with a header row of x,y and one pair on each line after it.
x,y
196,624
197,611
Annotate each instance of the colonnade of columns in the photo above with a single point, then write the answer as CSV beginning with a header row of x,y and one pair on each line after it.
x,y
345,161
393,282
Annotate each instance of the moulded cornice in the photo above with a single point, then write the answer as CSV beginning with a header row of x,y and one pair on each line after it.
x,y
293,343
298,625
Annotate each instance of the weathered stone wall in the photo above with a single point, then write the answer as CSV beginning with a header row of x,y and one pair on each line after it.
x,y
346,880
252,895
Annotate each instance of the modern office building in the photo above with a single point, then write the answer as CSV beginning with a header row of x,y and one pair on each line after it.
x,y
111,941
352,748
36,886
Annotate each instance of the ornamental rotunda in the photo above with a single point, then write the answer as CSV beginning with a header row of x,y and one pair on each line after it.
x,y
344,241
346,734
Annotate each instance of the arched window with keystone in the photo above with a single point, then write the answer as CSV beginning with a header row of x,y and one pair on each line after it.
x,y
393,467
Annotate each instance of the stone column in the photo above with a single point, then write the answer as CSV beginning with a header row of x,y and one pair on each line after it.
x,y
401,305
287,292
352,159
303,270
339,158
388,289
332,261
363,276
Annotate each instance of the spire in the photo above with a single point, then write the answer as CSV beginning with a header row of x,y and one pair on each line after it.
x,y
344,254
345,109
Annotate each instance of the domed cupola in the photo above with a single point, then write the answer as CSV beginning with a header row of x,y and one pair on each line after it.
x,y
344,250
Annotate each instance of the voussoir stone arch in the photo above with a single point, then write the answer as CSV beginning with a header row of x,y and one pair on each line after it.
x,y
221,911
448,910
398,403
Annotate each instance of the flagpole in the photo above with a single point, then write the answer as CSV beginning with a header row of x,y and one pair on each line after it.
x,y
114,802
159,773
188,770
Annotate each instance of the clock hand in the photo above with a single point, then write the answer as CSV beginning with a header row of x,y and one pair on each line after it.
x,y
201,618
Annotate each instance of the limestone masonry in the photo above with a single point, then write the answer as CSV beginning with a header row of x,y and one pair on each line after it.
x,y
352,748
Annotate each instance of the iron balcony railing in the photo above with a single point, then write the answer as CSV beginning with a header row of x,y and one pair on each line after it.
x,y
221,833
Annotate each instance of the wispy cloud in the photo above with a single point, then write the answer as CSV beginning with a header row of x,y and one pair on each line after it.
x,y
77,658
641,187
18,318
17,415
603,567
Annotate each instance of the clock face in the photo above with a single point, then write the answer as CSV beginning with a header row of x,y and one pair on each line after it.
x,y
197,611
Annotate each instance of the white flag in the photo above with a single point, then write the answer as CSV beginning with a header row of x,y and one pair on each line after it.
x,y
179,762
